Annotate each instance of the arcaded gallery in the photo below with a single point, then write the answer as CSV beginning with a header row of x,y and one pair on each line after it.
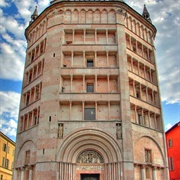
x,y
90,104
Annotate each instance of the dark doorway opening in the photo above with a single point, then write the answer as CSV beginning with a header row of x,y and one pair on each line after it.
x,y
90,177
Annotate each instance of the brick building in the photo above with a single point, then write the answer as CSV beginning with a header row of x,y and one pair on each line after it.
x,y
173,146
90,106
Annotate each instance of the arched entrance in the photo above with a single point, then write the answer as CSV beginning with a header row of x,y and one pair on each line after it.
x,y
90,166
90,154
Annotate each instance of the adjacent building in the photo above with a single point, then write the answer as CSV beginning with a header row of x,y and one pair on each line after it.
x,y
7,152
90,105
173,149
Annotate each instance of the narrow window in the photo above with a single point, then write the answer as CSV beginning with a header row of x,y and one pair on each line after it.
x,y
27,157
90,88
148,158
7,164
90,63
170,143
3,162
138,94
49,118
140,119
4,147
89,113
171,164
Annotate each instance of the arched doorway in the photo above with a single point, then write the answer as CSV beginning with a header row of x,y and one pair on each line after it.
x,y
91,154
90,166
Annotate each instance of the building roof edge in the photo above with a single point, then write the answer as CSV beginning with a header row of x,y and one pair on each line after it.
x,y
6,137
177,124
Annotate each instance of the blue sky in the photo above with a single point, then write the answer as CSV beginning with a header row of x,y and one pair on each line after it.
x,y
14,18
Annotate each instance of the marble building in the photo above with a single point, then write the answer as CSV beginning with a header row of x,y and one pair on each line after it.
x,y
90,105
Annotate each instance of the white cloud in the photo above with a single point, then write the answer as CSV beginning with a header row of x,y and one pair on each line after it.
x,y
8,127
9,103
168,126
9,108
4,3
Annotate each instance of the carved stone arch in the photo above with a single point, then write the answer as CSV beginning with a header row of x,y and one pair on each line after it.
x,y
89,156
28,145
147,142
75,16
134,25
89,16
96,16
137,28
111,16
96,140
50,15
104,16
149,37
145,34
130,22
67,16
141,31
60,11
82,16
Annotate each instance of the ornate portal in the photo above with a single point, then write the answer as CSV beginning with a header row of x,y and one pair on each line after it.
x,y
90,157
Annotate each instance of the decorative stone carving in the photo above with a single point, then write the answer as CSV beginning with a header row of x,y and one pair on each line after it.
x,y
118,131
90,168
90,157
60,130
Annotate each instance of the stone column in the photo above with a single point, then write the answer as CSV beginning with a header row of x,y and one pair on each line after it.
x,y
84,40
30,173
82,110
107,57
95,59
108,83
109,109
147,98
71,83
70,109
154,173
143,174
15,174
96,111
84,83
73,36
132,68
84,59
72,58
107,36
22,173
95,36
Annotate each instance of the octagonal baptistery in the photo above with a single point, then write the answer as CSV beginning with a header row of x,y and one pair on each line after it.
x,y
90,105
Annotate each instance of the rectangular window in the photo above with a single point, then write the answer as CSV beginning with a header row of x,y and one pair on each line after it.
x,y
148,158
140,119
171,163
4,147
27,157
90,63
170,143
3,162
90,88
89,113
7,163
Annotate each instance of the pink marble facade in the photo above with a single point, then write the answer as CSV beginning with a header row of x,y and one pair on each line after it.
x,y
90,84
